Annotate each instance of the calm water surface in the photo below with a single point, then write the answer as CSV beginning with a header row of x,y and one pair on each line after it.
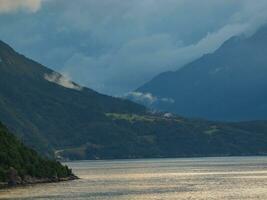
x,y
169,179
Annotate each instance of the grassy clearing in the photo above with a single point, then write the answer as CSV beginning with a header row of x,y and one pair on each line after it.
x,y
142,118
130,117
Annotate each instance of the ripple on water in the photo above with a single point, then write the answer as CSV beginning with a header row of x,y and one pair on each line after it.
x,y
170,179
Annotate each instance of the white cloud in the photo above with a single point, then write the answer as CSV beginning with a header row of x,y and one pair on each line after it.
x,y
168,115
7,6
62,80
143,97
147,98
167,100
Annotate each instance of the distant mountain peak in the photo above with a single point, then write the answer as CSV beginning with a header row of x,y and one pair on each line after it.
x,y
229,84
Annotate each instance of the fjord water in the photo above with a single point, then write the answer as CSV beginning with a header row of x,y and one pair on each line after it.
x,y
155,179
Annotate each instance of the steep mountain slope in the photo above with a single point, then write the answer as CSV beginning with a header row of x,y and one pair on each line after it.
x,y
52,114
229,84
19,164
44,113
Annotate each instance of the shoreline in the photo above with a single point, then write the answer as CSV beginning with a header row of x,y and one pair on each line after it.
x,y
167,157
35,181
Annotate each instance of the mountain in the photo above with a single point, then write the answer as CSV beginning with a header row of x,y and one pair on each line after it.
x,y
172,136
19,164
57,117
47,110
229,84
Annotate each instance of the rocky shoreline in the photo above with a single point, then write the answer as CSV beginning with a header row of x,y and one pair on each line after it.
x,y
28,180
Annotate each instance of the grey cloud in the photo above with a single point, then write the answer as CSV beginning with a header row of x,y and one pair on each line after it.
x,y
114,46
139,60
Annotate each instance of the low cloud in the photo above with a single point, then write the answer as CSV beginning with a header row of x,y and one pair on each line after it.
x,y
147,98
62,81
167,100
7,6
139,60
115,46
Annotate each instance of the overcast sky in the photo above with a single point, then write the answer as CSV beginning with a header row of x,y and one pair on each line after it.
x,y
114,46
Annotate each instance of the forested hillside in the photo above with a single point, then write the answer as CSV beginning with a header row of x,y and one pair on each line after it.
x,y
19,164
46,110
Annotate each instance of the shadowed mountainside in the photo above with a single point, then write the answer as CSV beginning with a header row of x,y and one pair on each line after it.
x,y
50,113
229,84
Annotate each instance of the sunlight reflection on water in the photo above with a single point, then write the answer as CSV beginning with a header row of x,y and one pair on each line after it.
x,y
156,179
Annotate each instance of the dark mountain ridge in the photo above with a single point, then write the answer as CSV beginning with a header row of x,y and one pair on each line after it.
x,y
229,84
54,115
40,110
